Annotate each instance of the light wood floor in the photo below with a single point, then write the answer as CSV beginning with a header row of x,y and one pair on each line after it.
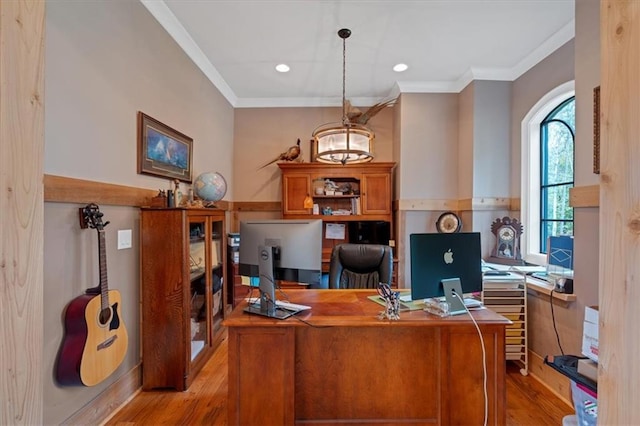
x,y
205,402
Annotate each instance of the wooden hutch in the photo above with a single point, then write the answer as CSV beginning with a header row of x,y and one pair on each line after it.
x,y
361,192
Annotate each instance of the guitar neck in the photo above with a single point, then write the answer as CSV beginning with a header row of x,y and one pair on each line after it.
x,y
102,257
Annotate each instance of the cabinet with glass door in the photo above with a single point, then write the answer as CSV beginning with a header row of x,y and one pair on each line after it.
x,y
182,277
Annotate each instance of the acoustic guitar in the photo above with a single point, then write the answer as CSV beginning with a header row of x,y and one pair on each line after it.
x,y
96,339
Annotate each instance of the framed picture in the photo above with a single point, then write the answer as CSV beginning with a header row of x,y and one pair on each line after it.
x,y
163,151
596,130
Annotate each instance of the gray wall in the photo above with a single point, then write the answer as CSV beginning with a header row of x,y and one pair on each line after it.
x,y
587,68
491,142
467,145
554,70
428,146
104,62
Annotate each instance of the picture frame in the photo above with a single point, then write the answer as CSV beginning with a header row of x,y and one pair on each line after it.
x,y
163,151
596,130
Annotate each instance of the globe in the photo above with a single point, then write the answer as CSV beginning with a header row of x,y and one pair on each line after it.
x,y
210,186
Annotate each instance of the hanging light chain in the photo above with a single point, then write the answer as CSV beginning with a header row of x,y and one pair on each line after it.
x,y
344,35
345,120
334,143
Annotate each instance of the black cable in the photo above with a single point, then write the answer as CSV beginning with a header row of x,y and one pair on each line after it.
x,y
553,318
310,324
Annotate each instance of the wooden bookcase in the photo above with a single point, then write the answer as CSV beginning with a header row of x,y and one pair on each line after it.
x,y
364,190
182,271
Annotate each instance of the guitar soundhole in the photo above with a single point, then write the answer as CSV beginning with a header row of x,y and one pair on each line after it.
x,y
105,316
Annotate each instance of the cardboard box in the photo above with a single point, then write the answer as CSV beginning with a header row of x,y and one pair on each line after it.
x,y
588,368
590,333
591,314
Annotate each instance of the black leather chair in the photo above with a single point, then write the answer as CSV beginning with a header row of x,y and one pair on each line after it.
x,y
360,265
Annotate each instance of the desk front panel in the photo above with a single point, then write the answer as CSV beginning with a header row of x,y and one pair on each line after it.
x,y
354,372
348,366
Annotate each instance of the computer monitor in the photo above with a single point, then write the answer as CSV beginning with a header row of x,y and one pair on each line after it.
x,y
280,249
444,257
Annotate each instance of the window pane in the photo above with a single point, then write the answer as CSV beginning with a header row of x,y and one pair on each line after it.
x,y
554,228
558,154
566,113
555,203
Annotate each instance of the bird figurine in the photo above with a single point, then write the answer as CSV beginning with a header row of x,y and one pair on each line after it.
x,y
356,116
291,154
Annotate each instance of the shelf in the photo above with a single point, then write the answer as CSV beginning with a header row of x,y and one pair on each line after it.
x,y
194,275
336,196
543,288
508,297
341,218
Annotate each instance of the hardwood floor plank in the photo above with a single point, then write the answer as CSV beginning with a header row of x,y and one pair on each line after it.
x,y
529,403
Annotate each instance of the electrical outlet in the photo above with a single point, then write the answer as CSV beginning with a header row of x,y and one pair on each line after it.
x,y
124,239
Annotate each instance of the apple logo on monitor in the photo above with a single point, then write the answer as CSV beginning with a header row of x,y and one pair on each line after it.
x,y
448,257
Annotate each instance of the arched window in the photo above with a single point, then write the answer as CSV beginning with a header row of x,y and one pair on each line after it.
x,y
557,140
547,166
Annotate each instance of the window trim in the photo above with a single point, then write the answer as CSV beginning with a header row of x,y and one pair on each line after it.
x,y
530,170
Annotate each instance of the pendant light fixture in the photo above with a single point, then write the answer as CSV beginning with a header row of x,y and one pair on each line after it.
x,y
343,142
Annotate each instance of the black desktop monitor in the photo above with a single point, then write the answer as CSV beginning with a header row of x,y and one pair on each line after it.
x,y
438,257
289,250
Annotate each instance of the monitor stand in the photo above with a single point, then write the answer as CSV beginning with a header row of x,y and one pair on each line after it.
x,y
275,312
266,306
456,304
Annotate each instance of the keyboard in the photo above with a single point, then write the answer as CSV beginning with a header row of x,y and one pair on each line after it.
x,y
468,302
496,273
544,277
283,304
472,303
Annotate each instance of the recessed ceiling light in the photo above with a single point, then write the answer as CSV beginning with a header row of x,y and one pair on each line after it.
x,y
400,67
282,68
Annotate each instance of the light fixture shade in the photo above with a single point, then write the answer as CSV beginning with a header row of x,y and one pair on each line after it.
x,y
343,143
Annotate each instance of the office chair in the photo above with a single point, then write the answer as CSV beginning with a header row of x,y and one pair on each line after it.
x,y
360,266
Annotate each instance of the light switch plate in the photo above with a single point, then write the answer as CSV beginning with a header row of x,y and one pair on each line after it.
x,y
124,239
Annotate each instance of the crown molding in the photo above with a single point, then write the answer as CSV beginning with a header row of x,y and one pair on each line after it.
x,y
170,23
301,102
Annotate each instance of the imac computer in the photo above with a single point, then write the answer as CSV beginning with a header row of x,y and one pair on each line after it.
x,y
444,263
273,250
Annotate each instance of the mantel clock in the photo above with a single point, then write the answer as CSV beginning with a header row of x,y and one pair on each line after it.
x,y
507,246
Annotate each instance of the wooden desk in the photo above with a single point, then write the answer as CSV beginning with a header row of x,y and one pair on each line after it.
x,y
348,366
